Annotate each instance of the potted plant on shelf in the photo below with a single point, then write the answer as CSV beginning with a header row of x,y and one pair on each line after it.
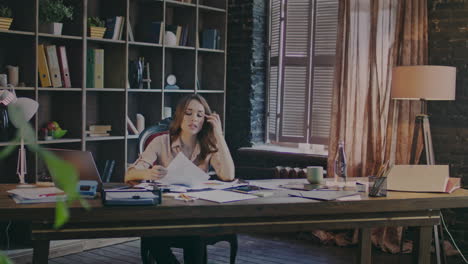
x,y
6,17
51,15
96,27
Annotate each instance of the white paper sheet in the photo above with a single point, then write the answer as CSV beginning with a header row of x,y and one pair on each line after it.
x,y
274,184
182,171
221,196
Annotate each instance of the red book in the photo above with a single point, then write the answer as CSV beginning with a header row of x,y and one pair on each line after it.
x,y
63,63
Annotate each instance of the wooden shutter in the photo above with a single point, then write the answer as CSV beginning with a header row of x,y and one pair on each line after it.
x,y
296,65
323,60
273,70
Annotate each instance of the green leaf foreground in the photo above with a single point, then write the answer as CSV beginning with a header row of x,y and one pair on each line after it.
x,y
4,259
63,173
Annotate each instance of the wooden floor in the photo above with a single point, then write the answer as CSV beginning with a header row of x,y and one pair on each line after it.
x,y
253,249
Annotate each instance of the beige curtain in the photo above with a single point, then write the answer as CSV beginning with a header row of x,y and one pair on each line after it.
x,y
411,49
361,96
375,36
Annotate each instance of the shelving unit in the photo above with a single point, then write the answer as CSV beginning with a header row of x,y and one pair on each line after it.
x,y
80,106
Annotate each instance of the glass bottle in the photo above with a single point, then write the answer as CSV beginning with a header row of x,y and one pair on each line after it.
x,y
340,164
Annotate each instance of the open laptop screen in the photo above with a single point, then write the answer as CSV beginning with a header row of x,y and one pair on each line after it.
x,y
83,161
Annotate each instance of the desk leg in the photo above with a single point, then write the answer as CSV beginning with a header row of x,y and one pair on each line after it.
x,y
423,245
365,246
40,251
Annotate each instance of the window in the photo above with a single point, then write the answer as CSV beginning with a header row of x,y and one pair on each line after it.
x,y
301,66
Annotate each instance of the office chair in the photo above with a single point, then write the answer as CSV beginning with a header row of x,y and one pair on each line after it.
x,y
146,136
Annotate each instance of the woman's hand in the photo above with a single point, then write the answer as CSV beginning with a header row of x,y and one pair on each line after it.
x,y
157,172
215,122
133,176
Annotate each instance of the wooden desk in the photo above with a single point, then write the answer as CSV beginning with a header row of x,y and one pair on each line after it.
x,y
272,214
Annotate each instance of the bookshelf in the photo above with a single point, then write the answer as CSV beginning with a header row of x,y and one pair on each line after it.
x,y
197,69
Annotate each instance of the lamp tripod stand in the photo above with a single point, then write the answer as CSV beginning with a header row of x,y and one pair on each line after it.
x,y
422,125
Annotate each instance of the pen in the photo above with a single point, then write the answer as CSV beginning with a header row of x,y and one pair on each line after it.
x,y
186,198
51,194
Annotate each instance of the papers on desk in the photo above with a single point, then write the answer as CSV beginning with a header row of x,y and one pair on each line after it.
x,y
221,196
324,195
183,172
275,184
37,195
212,184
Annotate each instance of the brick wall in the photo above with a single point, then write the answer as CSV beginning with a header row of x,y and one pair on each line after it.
x,y
448,45
245,107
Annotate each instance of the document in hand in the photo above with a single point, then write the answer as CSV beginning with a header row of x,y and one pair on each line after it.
x,y
421,178
183,172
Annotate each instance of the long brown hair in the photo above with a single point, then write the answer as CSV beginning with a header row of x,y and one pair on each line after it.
x,y
205,137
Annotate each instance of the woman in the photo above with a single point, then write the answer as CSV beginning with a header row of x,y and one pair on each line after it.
x,y
197,133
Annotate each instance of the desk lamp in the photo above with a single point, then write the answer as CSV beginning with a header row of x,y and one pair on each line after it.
x,y
424,83
25,108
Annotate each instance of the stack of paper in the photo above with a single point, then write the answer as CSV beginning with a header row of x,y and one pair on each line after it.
x,y
37,195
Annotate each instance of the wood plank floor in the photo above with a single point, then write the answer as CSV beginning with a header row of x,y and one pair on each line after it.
x,y
253,249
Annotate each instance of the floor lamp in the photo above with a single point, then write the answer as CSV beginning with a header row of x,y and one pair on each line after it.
x,y
424,83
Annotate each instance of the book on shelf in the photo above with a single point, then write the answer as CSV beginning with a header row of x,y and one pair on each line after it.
x,y
155,32
110,25
211,39
121,30
98,68
100,128
130,33
44,74
114,26
92,134
54,68
63,63
184,36
90,68
131,127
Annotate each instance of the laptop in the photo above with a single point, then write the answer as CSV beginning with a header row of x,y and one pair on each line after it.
x,y
84,163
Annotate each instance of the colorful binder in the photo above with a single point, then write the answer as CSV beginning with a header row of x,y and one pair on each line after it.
x,y
63,63
44,74
52,61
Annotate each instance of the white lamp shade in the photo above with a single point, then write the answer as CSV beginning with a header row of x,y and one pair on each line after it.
x,y
423,82
27,106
